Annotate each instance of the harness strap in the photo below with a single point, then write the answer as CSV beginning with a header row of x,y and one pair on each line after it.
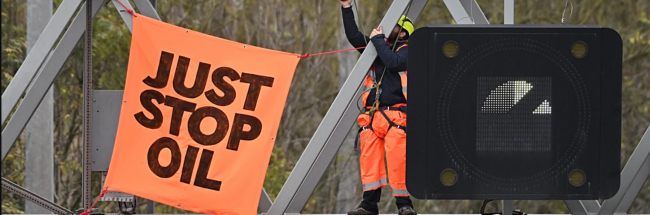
x,y
369,126
401,109
392,124
402,46
356,142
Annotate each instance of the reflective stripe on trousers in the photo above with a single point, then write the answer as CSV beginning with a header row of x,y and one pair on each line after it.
x,y
400,192
376,184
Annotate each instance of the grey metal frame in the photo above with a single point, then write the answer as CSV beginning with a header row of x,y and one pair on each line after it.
x,y
126,16
44,78
633,176
265,202
582,207
33,60
30,196
88,106
327,138
146,8
507,206
509,12
466,12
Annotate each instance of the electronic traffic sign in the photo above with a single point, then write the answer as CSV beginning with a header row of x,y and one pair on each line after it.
x,y
514,112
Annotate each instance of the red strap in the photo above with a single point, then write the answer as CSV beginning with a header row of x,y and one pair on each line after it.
x,y
127,9
402,46
87,212
331,52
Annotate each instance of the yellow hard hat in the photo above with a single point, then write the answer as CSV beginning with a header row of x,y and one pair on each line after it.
x,y
406,24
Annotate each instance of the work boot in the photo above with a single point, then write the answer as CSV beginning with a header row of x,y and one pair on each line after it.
x,y
360,211
406,210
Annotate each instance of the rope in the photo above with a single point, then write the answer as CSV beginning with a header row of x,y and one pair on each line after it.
x,y
377,85
127,9
360,26
87,212
330,52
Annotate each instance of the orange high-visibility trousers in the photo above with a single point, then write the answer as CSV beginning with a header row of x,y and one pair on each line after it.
x,y
374,142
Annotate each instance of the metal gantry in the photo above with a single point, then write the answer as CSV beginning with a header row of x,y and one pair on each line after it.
x,y
43,64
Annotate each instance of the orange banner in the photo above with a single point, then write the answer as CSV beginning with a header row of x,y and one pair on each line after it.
x,y
198,120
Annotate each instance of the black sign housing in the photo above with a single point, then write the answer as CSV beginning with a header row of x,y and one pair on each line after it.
x,y
514,112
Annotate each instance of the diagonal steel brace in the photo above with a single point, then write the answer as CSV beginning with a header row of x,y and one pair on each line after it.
x,y
43,79
633,176
33,197
36,56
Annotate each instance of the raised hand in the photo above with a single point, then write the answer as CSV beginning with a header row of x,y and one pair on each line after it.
x,y
346,3
376,32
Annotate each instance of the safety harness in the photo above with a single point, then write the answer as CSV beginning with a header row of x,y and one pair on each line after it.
x,y
391,123
370,84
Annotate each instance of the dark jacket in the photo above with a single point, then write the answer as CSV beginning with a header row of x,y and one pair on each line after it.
x,y
391,87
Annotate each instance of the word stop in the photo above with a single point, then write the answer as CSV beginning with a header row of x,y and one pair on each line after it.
x,y
180,107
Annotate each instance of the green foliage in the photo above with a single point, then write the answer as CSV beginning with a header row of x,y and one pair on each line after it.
x,y
10,207
276,174
13,40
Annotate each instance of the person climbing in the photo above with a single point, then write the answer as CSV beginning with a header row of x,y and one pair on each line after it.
x,y
383,123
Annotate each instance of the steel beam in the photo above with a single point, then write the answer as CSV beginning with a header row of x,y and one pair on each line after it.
x,y
582,207
151,207
507,207
35,198
45,76
146,8
592,206
633,176
466,12
417,6
126,16
509,12
87,106
36,56
265,202
332,130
